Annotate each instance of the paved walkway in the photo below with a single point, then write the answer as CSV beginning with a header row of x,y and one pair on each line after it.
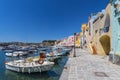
x,y
89,67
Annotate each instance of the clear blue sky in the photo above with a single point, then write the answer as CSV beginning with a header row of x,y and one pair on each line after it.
x,y
37,20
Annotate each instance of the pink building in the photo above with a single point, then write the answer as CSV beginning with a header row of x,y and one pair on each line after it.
x,y
67,41
71,40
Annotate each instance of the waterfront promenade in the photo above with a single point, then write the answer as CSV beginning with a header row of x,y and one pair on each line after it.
x,y
89,67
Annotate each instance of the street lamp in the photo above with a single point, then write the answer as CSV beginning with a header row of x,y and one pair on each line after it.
x,y
74,55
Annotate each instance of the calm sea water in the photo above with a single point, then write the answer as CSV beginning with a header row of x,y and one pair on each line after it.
x,y
52,74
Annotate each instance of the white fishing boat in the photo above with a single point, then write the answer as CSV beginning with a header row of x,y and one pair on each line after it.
x,y
52,57
59,51
54,53
9,54
66,50
30,65
19,53
16,53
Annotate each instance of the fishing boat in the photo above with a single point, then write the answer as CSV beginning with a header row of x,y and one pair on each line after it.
x,y
59,51
52,57
55,54
29,65
19,53
16,53
9,54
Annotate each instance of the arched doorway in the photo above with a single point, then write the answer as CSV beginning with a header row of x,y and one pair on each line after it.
x,y
105,42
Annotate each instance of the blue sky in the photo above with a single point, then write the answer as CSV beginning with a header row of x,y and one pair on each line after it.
x,y
37,20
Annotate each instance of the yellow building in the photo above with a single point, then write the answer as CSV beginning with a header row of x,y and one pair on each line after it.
x,y
77,42
84,26
83,37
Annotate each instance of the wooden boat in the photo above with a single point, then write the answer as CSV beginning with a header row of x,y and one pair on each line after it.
x,y
29,65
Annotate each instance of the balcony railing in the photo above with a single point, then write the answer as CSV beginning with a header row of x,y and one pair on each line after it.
x,y
104,30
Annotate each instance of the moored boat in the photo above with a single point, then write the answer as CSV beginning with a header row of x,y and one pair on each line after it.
x,y
19,53
16,53
9,54
29,65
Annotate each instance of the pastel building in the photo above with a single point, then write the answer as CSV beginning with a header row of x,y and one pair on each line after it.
x,y
81,39
98,32
102,31
115,23
77,42
89,34
83,36
68,41
71,40
64,42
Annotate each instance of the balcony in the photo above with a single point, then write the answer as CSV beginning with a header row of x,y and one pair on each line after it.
x,y
104,30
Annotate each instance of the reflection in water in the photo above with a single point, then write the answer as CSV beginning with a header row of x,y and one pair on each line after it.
x,y
18,76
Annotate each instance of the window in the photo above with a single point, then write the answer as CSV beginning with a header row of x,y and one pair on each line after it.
x,y
96,31
89,28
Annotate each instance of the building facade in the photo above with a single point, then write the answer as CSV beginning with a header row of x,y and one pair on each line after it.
x,y
115,48
89,34
77,42
100,38
83,36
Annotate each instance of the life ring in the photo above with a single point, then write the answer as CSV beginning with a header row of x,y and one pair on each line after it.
x,y
41,61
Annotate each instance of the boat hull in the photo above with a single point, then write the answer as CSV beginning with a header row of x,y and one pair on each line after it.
x,y
30,69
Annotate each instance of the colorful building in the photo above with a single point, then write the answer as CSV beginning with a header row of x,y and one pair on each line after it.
x,y
68,41
83,36
89,34
63,42
71,40
100,39
77,42
115,46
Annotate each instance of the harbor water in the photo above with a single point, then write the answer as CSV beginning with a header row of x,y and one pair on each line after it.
x,y
52,74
